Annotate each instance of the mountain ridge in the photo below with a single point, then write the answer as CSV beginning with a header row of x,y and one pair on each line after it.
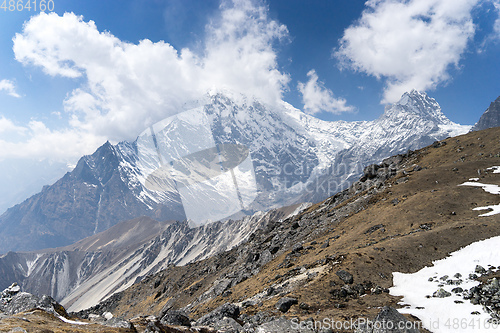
x,y
490,117
336,258
92,269
294,155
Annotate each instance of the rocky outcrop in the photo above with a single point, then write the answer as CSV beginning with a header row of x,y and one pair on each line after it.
x,y
176,318
487,293
285,303
490,117
226,310
14,301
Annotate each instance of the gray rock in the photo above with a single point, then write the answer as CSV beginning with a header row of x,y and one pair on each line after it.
x,y
227,325
22,301
18,329
221,286
441,293
153,328
480,269
285,303
345,276
297,248
176,318
11,291
117,323
226,310
389,320
253,321
304,306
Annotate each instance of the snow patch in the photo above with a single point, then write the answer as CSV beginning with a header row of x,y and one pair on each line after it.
x,y
496,169
490,188
72,322
443,314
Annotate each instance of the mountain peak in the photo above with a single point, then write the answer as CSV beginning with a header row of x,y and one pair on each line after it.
x,y
417,103
490,117
412,96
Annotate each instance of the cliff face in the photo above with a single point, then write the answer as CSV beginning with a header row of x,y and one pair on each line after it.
x,y
490,117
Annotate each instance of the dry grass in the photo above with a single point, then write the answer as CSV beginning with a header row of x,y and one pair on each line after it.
x,y
429,197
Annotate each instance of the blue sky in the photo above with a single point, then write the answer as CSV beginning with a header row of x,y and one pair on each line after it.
x,y
73,78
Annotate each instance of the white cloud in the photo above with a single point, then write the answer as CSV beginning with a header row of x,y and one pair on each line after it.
x,y
8,127
496,26
39,142
317,98
9,87
409,44
129,86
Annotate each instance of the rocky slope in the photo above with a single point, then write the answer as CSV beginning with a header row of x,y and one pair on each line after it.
x,y
335,260
490,117
24,312
294,158
82,274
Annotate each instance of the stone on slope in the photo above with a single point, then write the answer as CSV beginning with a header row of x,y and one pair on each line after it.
x,y
226,310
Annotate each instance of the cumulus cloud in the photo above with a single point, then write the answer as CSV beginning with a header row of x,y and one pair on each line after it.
x,y
126,86
38,142
409,44
317,98
9,87
8,127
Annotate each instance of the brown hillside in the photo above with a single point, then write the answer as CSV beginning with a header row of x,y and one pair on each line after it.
x,y
373,229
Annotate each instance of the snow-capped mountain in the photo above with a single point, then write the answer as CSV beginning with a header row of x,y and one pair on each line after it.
x,y
294,158
415,121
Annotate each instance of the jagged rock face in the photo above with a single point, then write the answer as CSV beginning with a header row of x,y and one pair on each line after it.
x,y
84,273
93,197
13,301
490,117
296,158
412,123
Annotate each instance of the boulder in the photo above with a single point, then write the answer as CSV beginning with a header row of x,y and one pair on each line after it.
x,y
441,293
345,276
226,310
176,318
285,303
227,325
22,301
